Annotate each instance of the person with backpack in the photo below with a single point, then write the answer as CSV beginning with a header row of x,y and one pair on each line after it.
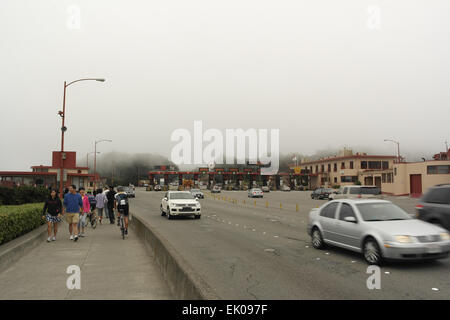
x,y
52,213
101,201
121,203
110,196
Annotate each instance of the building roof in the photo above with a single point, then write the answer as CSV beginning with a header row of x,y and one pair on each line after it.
x,y
26,173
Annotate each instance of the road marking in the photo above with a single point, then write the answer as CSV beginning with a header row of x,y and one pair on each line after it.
x,y
269,250
387,272
306,246
435,289
317,258
275,236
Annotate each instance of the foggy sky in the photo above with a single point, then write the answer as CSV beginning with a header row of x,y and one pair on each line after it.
x,y
313,69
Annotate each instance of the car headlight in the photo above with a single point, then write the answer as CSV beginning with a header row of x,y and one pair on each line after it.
x,y
403,239
445,236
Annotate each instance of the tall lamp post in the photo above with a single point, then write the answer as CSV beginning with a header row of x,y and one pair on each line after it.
x,y
95,159
398,148
87,157
62,114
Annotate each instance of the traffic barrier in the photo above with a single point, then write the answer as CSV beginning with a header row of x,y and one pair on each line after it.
x,y
183,280
296,207
281,207
267,204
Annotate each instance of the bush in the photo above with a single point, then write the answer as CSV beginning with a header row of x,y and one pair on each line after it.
x,y
22,194
18,220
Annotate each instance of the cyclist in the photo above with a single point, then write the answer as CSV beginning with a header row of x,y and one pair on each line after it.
x,y
121,204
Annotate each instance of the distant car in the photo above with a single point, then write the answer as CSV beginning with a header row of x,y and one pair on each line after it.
x,y
322,193
285,188
353,192
130,192
378,229
180,203
145,185
255,193
434,206
157,187
215,189
197,193
265,189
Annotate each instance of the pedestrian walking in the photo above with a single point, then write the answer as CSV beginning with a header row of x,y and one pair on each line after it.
x,y
52,213
73,205
101,200
86,210
110,196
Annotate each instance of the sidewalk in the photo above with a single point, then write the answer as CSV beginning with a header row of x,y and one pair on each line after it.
x,y
111,268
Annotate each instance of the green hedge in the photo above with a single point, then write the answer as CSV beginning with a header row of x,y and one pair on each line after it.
x,y
22,194
18,220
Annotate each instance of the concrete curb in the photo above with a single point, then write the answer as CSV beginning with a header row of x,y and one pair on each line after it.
x,y
184,282
15,249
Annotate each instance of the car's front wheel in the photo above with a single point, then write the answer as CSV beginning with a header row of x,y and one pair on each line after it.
x,y
197,216
316,239
372,252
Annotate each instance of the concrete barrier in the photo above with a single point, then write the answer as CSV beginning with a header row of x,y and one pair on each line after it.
x,y
15,249
184,282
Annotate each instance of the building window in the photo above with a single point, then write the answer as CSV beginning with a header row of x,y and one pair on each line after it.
x,y
335,167
317,168
438,169
395,171
322,168
363,164
375,165
335,179
342,165
349,179
390,178
329,167
383,178
351,164
385,165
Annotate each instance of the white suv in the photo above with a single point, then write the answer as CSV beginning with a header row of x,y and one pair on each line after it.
x,y
353,192
180,203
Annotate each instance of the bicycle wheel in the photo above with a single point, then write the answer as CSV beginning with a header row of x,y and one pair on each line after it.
x,y
94,221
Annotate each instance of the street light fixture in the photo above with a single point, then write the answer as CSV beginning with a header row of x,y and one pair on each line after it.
x,y
62,114
398,148
95,159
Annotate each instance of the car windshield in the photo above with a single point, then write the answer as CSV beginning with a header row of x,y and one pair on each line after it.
x,y
256,190
181,195
381,212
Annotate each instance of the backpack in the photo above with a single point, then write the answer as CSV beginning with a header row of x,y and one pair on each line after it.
x,y
122,199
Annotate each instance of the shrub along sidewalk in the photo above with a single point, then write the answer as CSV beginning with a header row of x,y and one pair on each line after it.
x,y
22,194
18,220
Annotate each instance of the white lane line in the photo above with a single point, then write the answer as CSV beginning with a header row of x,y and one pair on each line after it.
x,y
435,289
275,236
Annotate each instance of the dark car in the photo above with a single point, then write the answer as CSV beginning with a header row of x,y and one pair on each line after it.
x,y
434,206
321,193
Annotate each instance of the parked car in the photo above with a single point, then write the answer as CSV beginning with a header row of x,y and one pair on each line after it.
x,y
255,193
197,193
353,192
157,188
434,206
321,193
378,229
265,189
236,188
285,188
216,189
180,203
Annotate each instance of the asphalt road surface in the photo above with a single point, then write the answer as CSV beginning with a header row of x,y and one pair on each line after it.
x,y
250,251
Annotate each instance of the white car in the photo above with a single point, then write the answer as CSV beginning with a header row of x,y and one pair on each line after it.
x,y
180,203
255,193
356,192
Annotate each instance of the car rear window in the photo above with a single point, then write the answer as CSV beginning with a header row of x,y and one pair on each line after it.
x,y
381,211
438,195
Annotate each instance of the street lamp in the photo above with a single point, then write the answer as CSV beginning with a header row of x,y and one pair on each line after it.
x,y
398,148
95,159
87,157
62,114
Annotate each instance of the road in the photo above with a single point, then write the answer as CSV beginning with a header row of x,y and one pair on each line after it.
x,y
248,251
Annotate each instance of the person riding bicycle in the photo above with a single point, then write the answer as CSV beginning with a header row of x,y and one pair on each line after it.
x,y
121,204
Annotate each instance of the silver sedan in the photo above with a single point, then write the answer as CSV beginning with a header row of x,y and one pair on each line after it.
x,y
378,229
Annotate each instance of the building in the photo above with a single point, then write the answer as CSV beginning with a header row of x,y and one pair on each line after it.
x,y
48,176
346,168
414,178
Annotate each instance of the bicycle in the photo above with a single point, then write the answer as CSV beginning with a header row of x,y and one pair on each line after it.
x,y
93,219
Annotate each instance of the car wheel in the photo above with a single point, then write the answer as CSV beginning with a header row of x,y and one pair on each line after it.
x,y
162,211
316,239
372,252
197,217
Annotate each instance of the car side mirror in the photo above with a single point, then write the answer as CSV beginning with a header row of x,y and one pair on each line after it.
x,y
350,219
165,198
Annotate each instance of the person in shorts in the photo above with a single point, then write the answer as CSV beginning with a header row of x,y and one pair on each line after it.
x,y
73,205
52,213
100,199
121,203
